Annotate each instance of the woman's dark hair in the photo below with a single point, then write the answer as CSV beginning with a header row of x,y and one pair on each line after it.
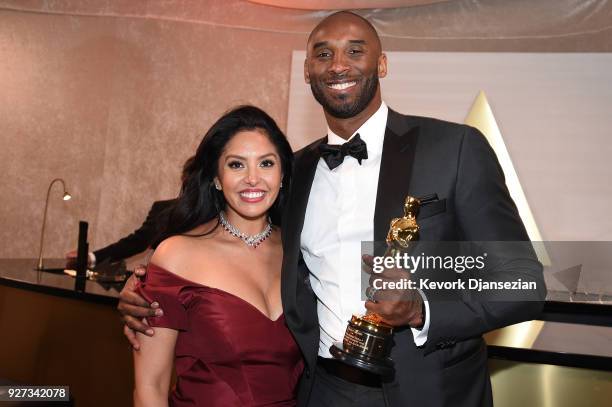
x,y
199,201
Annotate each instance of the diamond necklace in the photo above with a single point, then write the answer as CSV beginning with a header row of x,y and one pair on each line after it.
x,y
252,241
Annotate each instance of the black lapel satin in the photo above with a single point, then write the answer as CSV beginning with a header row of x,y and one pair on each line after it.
x,y
397,160
303,175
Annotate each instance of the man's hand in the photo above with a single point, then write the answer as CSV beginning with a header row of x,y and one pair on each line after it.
x,y
398,307
134,309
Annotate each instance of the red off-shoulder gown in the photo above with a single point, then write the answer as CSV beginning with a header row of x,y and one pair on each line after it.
x,y
227,352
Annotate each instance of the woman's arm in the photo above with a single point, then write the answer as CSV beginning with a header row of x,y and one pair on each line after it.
x,y
153,368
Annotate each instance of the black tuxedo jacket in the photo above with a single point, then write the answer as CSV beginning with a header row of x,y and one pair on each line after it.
x,y
423,156
140,239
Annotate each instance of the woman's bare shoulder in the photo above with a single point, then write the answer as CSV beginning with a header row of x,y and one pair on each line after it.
x,y
177,252
169,253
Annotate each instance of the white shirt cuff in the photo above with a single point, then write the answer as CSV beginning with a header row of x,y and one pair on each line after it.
x,y
420,335
92,260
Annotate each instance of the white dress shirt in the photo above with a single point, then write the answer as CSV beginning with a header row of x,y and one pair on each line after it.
x,y
339,216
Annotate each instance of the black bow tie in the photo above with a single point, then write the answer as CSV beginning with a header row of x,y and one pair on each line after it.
x,y
334,154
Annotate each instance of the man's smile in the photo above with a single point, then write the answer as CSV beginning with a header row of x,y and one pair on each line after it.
x,y
341,85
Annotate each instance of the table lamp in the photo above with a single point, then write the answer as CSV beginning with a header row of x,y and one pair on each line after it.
x,y
65,197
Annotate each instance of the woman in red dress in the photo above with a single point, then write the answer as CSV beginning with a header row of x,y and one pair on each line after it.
x,y
216,275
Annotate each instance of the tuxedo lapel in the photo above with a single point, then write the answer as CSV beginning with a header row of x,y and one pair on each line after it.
x,y
397,160
292,284
303,175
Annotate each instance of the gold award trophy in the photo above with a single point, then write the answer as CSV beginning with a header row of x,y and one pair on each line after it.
x,y
367,341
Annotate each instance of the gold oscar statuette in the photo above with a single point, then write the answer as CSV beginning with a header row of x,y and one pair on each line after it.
x,y
368,340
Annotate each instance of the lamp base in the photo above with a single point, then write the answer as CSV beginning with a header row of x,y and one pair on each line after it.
x,y
50,270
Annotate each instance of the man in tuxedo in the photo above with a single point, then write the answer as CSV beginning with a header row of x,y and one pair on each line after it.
x,y
346,189
439,354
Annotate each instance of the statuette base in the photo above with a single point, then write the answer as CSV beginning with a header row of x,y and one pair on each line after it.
x,y
380,367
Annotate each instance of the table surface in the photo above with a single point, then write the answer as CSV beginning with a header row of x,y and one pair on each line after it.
x,y
22,273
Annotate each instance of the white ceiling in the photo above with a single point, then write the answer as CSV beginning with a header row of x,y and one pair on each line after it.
x,y
344,4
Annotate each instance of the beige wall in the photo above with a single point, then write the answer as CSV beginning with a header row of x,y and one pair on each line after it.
x,y
114,106
113,96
